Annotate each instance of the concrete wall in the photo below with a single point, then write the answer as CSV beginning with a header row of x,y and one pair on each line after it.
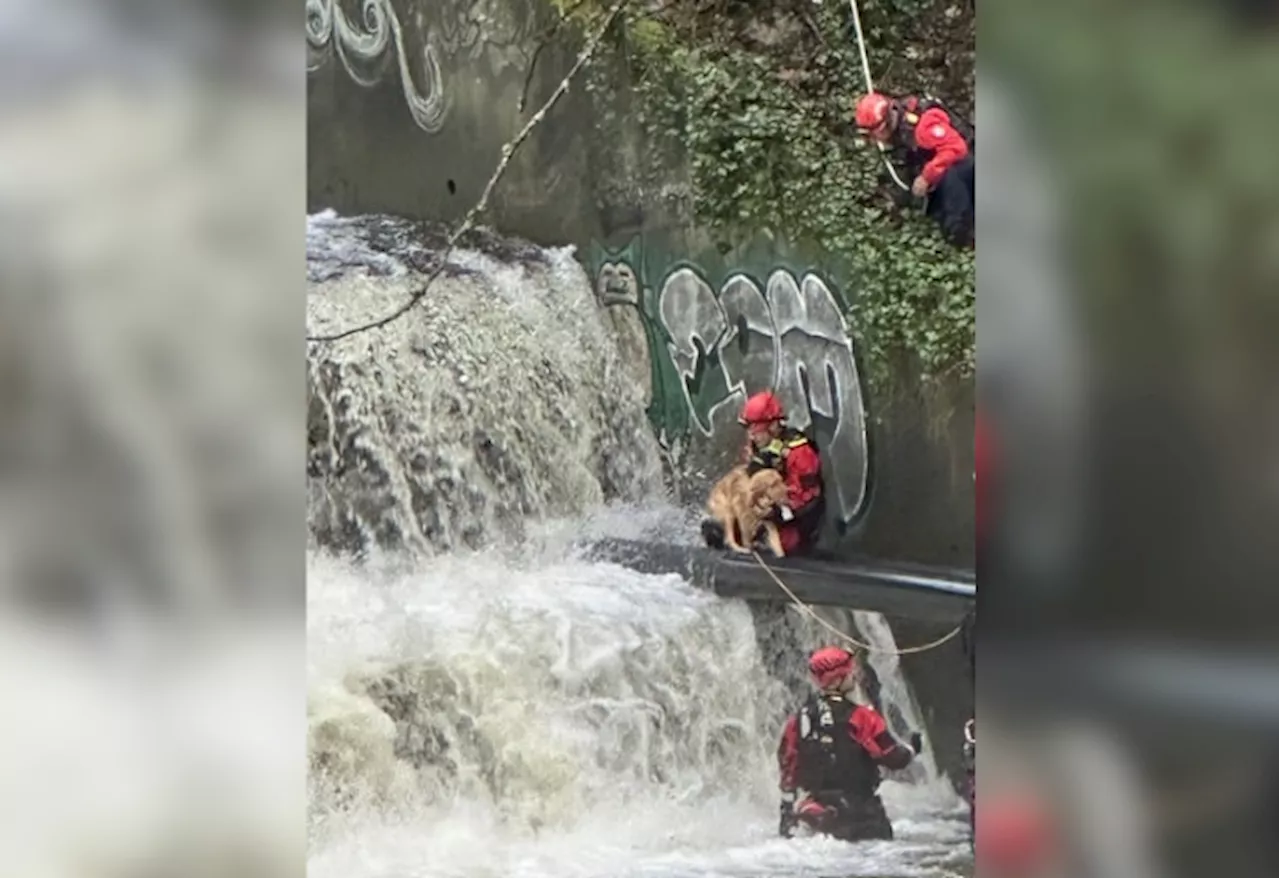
x,y
409,107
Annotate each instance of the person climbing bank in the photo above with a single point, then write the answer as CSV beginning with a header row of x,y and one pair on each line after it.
x,y
832,750
926,138
771,444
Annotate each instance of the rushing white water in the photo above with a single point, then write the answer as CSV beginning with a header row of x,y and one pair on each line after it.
x,y
472,718
481,701
499,399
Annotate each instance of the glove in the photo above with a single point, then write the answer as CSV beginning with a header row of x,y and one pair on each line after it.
x,y
901,198
777,513
917,743
786,815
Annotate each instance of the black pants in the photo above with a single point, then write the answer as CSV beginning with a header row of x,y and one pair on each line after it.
x,y
950,203
849,817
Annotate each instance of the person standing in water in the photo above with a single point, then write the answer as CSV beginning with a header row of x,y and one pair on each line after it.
x,y
832,749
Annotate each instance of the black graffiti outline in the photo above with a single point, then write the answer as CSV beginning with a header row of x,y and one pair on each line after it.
x,y
808,307
844,407
702,356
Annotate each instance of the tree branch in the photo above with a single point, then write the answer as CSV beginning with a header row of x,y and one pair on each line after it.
x,y
508,152
547,36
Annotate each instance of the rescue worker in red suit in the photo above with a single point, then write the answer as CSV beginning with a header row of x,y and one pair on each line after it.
x,y
832,750
771,444
927,140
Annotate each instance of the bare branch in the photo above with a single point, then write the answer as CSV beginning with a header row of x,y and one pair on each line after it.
x,y
543,41
508,152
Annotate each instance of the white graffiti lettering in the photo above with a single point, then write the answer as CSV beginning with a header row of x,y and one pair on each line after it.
x,y
489,36
750,350
363,52
790,338
693,318
816,375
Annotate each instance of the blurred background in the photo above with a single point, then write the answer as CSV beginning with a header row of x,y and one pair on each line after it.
x,y
151,406
1126,350
151,420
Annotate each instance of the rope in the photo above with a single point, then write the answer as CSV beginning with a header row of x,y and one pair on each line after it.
x,y
809,611
866,73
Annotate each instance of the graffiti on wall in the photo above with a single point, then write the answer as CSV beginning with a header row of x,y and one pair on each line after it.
x,y
712,342
369,37
366,50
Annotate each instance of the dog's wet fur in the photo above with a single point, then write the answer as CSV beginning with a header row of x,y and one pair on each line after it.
x,y
738,503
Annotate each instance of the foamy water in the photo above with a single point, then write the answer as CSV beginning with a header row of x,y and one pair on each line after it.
x,y
564,719
482,702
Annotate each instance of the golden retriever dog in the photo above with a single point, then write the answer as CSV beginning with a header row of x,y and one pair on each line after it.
x,y
740,502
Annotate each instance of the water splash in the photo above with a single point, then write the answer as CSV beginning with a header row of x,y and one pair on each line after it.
x,y
482,702
792,635
561,719
500,399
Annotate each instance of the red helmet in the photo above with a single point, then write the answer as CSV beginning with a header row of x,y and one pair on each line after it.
x,y
830,665
871,111
1015,835
763,408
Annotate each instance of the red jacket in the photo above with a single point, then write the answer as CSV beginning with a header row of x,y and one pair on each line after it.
x,y
933,132
803,476
866,727
802,471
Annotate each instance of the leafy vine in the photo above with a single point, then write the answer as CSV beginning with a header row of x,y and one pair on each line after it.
x,y
736,114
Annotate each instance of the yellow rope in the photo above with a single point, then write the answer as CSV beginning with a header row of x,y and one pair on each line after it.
x,y
807,610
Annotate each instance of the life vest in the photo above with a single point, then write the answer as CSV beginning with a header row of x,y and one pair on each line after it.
x,y
828,759
774,456
903,143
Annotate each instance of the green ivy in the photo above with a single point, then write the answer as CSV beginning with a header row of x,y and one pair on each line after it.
x,y
762,137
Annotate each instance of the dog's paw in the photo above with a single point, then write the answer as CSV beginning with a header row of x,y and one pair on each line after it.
x,y
713,534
